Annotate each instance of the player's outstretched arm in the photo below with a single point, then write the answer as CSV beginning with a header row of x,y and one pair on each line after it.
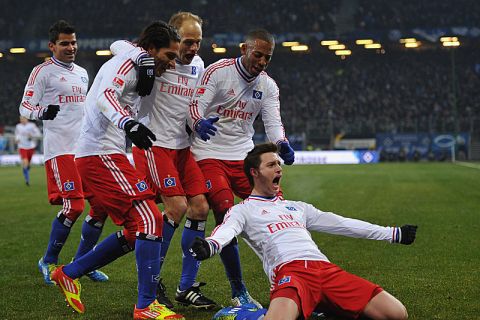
x,y
406,234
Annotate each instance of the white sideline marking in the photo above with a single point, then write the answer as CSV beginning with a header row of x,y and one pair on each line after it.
x,y
468,164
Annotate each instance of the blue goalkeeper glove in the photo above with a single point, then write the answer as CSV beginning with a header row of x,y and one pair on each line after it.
x,y
405,234
50,112
286,152
146,75
202,249
205,128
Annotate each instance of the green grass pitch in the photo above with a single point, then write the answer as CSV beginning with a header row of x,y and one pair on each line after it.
x,y
438,277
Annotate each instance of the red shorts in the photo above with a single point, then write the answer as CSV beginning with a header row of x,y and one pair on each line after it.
x,y
63,179
26,154
324,285
170,172
112,185
224,174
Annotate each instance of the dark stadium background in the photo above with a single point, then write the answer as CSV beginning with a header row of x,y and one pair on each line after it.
x,y
430,89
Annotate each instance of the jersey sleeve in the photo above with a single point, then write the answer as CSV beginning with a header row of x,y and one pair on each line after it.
x,y
203,95
127,49
116,82
271,115
232,225
332,223
33,94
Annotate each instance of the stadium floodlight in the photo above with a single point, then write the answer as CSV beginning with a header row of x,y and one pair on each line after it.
x,y
336,47
219,50
343,52
363,41
448,39
290,43
18,50
302,47
328,42
103,53
408,40
451,43
1,55
241,44
412,44
373,46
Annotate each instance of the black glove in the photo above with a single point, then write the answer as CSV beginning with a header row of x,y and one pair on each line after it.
x,y
50,112
202,249
286,152
140,135
408,233
146,75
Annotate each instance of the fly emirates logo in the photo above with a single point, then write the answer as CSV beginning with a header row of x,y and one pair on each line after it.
x,y
287,222
238,111
180,89
78,95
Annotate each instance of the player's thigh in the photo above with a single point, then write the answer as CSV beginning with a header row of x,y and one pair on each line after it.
x,y
240,185
282,308
385,306
192,178
220,195
63,179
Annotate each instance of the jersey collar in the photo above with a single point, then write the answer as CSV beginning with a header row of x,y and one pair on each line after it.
x,y
59,63
262,198
242,71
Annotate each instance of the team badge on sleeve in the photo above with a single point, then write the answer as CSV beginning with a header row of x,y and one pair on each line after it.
x,y
117,82
285,279
141,186
29,93
200,92
194,70
69,186
169,182
257,94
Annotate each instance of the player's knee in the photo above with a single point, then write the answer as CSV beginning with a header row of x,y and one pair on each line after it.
x,y
97,216
198,210
176,211
72,209
129,234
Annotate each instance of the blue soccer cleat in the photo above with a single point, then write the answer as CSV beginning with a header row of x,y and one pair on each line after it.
x,y
97,276
46,269
244,312
244,298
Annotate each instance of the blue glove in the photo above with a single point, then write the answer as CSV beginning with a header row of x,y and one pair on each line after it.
x,y
205,128
286,152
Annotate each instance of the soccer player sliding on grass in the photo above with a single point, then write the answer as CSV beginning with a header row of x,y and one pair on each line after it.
x,y
303,280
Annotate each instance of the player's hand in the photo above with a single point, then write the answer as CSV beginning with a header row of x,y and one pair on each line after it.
x,y
407,234
146,75
286,152
201,249
205,128
50,112
140,135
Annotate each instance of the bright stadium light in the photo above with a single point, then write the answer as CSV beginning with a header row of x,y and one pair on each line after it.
x,y
103,53
18,50
241,44
1,55
290,43
364,41
448,39
373,46
343,52
336,47
219,50
412,44
451,43
407,40
301,47
328,42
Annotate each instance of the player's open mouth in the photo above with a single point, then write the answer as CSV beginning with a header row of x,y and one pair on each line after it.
x,y
276,181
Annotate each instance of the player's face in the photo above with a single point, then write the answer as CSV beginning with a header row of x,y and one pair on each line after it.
x,y
164,57
256,56
65,48
267,177
191,37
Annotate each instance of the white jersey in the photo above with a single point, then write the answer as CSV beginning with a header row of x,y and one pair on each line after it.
x,y
277,229
111,102
227,91
66,85
165,110
26,135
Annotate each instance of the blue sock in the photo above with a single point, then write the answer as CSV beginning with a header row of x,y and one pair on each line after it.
x,y
147,253
231,261
192,229
111,248
26,174
169,227
58,236
91,231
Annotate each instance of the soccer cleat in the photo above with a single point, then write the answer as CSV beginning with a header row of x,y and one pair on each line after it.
x,y
194,297
46,270
244,312
97,276
156,311
162,297
245,298
71,289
